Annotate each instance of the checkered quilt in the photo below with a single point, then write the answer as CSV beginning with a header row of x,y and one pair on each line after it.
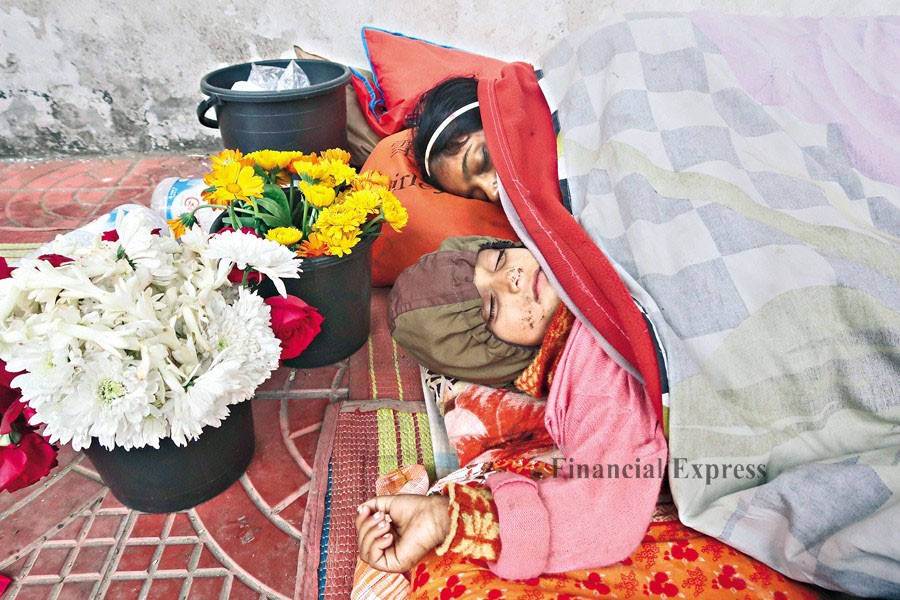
x,y
742,176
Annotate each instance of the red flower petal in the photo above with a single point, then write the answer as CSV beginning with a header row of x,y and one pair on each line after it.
x,y
36,456
295,323
12,407
12,465
237,276
55,259
5,269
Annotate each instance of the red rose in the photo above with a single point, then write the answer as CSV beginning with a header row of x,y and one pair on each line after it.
x,y
26,462
295,323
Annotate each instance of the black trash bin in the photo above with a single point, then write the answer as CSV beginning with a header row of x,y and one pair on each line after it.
x,y
308,119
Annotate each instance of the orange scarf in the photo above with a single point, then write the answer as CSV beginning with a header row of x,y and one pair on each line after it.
x,y
538,376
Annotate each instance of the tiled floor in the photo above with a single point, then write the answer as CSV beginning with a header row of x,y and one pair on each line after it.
x,y
67,537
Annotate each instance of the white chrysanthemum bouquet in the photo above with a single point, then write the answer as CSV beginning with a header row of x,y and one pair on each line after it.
x,y
140,338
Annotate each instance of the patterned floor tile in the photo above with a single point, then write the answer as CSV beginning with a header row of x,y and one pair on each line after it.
x,y
148,172
66,175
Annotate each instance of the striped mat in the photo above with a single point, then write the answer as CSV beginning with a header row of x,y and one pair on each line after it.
x,y
360,440
11,251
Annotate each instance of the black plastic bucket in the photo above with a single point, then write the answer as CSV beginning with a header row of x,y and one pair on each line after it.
x,y
173,478
308,119
341,289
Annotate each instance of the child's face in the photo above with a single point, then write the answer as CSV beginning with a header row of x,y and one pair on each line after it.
x,y
518,301
468,173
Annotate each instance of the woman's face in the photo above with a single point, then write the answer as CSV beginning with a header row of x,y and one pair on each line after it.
x,y
468,173
517,300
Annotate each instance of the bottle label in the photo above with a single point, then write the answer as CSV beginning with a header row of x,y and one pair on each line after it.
x,y
184,196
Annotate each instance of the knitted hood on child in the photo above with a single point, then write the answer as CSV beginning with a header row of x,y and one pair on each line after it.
x,y
434,314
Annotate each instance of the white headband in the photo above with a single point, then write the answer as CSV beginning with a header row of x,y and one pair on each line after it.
x,y
440,130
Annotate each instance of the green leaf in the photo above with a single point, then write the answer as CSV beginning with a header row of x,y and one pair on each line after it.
x,y
274,192
272,221
270,190
272,209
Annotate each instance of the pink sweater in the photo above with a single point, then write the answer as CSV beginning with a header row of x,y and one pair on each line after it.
x,y
601,417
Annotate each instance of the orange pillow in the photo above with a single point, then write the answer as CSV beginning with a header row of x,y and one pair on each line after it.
x,y
433,215
403,69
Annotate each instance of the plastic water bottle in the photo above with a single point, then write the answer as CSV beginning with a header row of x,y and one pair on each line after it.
x,y
175,196
86,234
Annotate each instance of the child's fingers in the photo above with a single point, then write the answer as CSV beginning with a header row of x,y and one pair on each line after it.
x,y
384,541
362,512
380,552
371,529
370,507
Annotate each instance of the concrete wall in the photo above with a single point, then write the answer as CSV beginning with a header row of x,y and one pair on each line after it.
x,y
104,77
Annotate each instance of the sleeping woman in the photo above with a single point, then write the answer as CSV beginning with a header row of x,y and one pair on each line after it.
x,y
448,141
485,311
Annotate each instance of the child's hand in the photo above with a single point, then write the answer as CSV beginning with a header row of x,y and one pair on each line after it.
x,y
396,532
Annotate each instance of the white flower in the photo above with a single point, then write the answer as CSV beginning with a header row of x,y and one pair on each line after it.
x,y
108,402
51,368
144,249
142,339
245,326
248,251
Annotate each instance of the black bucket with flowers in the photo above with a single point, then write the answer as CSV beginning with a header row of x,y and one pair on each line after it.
x,y
319,207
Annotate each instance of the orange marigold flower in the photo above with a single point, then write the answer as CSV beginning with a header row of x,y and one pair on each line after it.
x,y
180,224
177,227
314,246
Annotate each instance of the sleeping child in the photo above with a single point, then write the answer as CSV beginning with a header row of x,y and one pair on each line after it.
x,y
483,311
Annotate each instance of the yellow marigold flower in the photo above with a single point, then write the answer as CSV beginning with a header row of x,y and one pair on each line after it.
x,y
341,172
285,236
394,212
340,243
226,156
319,196
368,180
269,160
336,154
345,218
314,246
303,163
234,182
274,162
366,200
317,172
